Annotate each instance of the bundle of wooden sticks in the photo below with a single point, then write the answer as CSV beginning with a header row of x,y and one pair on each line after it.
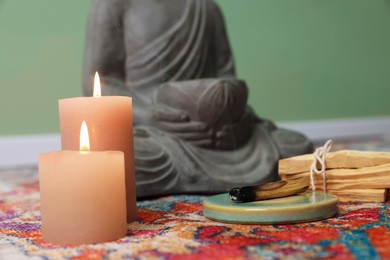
x,y
351,175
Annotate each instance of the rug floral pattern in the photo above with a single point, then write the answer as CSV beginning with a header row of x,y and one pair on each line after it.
x,y
174,227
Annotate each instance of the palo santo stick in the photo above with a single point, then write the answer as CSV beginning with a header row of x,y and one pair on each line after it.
x,y
269,190
368,183
363,195
381,182
335,160
374,171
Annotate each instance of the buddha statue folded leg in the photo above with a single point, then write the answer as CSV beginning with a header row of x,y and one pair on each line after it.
x,y
166,164
155,172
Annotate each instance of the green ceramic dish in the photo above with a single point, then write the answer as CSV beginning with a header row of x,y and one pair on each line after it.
x,y
304,207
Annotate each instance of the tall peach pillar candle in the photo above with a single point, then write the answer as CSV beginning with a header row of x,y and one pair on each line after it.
x,y
110,121
82,196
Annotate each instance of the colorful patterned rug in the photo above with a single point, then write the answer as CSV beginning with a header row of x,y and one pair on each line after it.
x,y
174,227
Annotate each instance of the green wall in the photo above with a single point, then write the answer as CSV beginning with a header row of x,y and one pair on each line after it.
x,y
302,59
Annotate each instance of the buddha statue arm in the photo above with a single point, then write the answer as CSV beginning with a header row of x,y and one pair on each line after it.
x,y
104,50
224,55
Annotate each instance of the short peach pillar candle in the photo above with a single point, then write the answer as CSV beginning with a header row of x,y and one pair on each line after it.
x,y
82,196
110,121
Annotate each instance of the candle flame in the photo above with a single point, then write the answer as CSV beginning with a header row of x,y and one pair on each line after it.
x,y
84,138
97,90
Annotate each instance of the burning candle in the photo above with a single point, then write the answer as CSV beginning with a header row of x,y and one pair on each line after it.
x,y
110,122
82,195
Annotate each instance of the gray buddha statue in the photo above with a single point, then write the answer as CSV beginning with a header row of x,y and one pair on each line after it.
x,y
193,129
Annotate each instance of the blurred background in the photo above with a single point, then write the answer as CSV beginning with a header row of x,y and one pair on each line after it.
x,y
303,60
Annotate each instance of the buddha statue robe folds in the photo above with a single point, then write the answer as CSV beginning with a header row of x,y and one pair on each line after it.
x,y
194,131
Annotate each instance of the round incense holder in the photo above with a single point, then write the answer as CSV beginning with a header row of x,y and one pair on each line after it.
x,y
304,207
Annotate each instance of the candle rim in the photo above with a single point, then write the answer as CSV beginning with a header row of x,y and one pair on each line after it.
x,y
79,152
91,98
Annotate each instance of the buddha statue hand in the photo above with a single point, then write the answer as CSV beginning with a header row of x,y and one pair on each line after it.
x,y
220,103
234,135
175,122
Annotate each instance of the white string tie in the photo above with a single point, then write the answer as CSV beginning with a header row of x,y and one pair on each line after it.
x,y
320,158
